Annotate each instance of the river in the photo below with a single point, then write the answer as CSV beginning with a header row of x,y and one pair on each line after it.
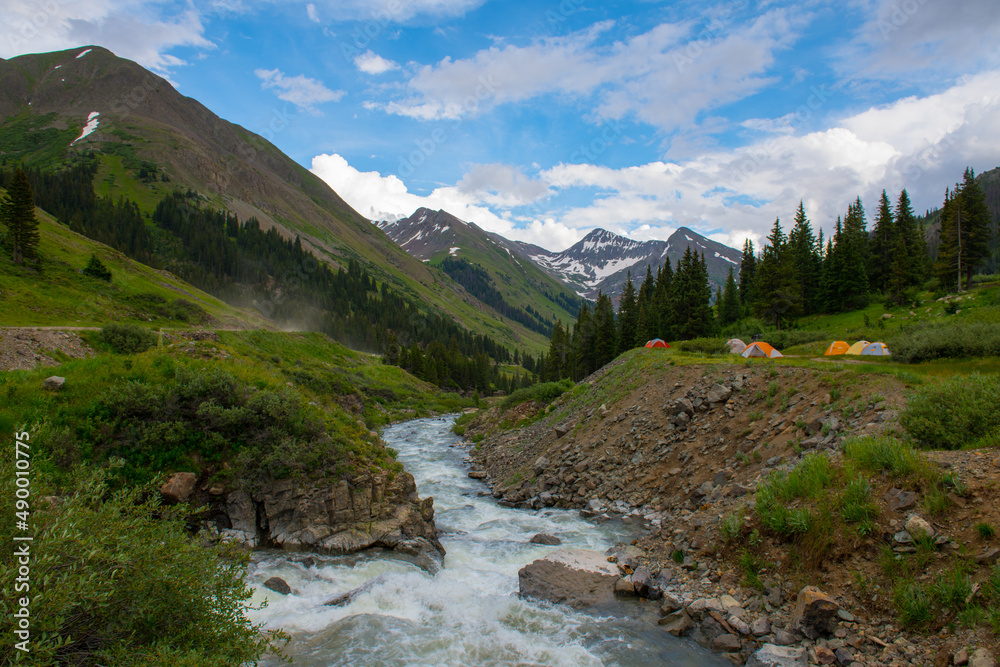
x,y
469,613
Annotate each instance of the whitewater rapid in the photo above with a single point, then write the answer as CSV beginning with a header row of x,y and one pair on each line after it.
x,y
468,613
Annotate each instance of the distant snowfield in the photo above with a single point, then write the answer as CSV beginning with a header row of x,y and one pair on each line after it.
x,y
452,251
83,53
92,123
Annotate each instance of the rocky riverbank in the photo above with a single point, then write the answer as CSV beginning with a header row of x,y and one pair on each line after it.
x,y
680,450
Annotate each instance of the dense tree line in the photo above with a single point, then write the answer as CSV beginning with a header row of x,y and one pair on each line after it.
x,y
793,274
244,264
478,283
17,219
673,305
68,194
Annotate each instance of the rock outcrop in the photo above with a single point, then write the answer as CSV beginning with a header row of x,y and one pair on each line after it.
x,y
376,510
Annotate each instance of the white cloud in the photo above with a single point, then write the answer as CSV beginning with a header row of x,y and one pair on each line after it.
x,y
370,62
312,13
133,29
901,38
385,12
666,76
922,144
300,90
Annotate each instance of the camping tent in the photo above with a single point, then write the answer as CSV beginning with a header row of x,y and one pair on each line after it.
x,y
857,347
736,346
876,349
657,342
761,350
836,347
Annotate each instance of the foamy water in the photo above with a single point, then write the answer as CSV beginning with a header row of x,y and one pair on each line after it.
x,y
468,613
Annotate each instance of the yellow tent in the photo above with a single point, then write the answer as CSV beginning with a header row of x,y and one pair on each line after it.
x,y
836,347
857,347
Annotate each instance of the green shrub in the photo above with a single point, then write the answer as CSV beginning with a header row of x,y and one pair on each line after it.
x,y
925,341
703,345
128,338
116,580
544,392
953,413
985,530
914,604
95,269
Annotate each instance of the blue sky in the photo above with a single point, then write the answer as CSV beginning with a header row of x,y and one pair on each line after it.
x,y
543,120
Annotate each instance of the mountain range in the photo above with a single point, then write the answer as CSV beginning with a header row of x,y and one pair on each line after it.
x,y
148,141
598,263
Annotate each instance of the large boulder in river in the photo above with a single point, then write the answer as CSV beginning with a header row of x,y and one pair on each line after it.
x,y
576,577
374,510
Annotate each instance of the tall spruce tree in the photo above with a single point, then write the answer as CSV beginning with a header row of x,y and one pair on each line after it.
x,y
748,275
779,292
17,212
914,243
855,259
663,304
605,331
729,304
965,229
882,246
805,253
628,316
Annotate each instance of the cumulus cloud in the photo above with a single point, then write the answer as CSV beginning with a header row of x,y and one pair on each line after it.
x,y
666,76
300,90
370,62
921,143
136,30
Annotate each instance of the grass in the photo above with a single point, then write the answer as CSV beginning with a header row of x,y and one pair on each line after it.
x,y
986,531
935,419
54,293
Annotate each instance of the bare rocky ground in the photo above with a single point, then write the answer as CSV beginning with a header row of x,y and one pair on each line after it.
x,y
685,447
24,348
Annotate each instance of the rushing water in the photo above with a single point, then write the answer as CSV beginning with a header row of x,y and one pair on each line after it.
x,y
469,613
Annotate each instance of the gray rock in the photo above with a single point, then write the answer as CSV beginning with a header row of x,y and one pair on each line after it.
x,y
989,557
278,585
624,588
545,538
903,537
726,642
681,419
785,638
918,527
982,657
679,623
576,577
718,394
760,627
642,580
770,655
669,605
844,656
54,383
541,465
900,501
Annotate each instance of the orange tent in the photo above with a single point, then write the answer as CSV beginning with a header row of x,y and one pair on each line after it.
x,y
837,347
657,342
761,350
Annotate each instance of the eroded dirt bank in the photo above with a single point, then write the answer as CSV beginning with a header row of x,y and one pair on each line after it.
x,y
683,448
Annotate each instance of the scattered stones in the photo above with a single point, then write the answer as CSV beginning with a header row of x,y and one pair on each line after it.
x,y
278,585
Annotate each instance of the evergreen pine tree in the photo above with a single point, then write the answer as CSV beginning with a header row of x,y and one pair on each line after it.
x,y
882,246
663,319
805,253
605,331
913,241
779,293
17,213
979,221
855,258
96,269
729,305
748,276
628,316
